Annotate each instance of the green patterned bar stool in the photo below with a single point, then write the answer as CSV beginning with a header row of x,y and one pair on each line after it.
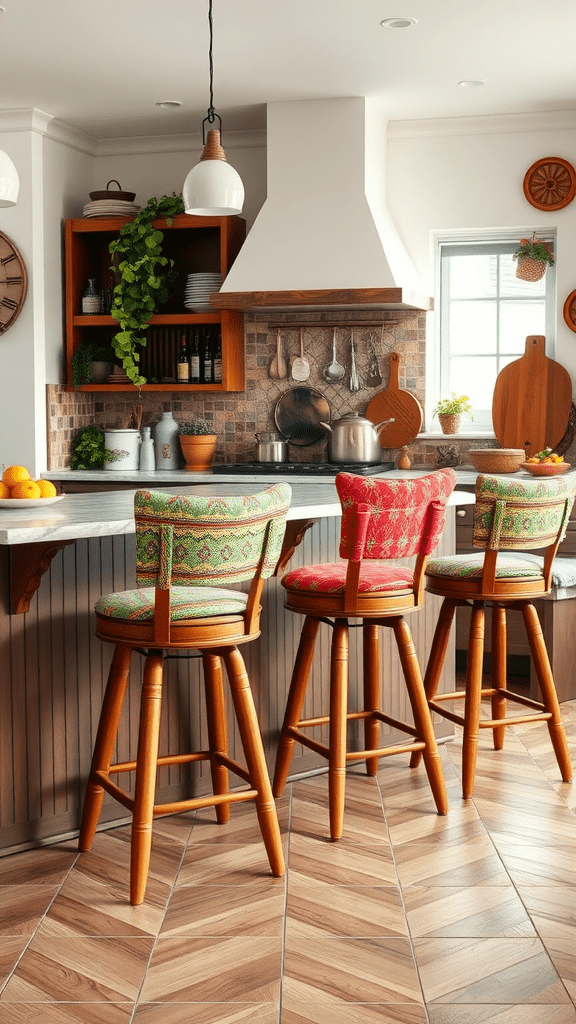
x,y
188,550
510,516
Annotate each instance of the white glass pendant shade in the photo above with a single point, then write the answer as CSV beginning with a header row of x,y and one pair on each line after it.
x,y
213,188
9,181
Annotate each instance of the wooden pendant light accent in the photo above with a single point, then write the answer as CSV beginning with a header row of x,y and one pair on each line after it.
x,y
213,149
550,183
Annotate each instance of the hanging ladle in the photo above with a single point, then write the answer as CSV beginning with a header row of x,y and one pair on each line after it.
x,y
334,371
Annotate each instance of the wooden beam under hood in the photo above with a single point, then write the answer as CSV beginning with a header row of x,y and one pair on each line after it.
x,y
322,298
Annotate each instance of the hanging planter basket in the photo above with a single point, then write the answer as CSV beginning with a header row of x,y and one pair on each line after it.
x,y
529,269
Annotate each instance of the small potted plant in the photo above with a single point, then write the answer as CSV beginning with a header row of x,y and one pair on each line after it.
x,y
91,364
450,410
533,258
198,443
88,449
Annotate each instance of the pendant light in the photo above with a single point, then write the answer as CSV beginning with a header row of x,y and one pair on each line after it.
x,y
9,181
212,188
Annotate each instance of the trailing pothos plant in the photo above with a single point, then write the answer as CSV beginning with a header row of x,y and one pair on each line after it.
x,y
146,276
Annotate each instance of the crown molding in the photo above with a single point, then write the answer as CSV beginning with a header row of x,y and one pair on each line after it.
x,y
142,144
550,120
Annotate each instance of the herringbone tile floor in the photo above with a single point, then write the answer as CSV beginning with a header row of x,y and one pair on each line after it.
x,y
410,918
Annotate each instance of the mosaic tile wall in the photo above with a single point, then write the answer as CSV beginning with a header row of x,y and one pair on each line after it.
x,y
238,416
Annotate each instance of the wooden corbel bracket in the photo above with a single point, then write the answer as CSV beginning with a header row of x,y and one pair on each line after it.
x,y
28,563
294,535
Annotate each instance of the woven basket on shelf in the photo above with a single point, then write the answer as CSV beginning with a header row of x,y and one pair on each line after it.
x,y
529,269
496,460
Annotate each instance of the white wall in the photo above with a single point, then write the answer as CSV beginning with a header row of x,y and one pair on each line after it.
x,y
462,175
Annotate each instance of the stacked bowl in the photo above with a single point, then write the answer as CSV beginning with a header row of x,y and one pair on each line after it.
x,y
198,288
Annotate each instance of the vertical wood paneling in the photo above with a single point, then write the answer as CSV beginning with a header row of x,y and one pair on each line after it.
x,y
54,673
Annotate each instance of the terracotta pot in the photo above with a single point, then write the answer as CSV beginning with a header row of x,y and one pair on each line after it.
x,y
450,424
198,451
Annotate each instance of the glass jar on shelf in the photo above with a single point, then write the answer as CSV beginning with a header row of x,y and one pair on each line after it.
x,y
91,300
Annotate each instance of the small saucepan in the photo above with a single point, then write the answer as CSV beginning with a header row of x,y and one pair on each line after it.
x,y
271,447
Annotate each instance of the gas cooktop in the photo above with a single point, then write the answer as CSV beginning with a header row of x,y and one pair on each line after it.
x,y
303,468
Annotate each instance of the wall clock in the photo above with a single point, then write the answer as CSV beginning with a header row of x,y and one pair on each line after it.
x,y
13,282
570,311
550,183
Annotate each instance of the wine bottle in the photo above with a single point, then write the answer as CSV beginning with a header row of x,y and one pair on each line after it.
x,y
217,360
207,357
195,358
183,364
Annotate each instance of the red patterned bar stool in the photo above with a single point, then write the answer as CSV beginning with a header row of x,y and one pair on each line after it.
x,y
381,520
188,549
510,516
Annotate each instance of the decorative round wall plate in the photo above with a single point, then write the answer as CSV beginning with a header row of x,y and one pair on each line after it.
x,y
570,311
550,183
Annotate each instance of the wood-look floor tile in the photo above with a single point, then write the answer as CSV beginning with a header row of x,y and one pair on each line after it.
x,y
325,1012
461,822
539,865
342,862
186,969
79,970
315,908
564,1013
109,856
92,905
562,952
22,907
243,827
552,909
11,949
487,971
226,864
376,970
46,866
251,909
482,911
462,863
66,1013
206,1013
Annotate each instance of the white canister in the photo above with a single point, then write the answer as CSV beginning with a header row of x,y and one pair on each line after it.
x,y
147,457
124,446
166,444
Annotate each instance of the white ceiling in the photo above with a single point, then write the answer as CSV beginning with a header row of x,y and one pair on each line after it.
x,y
101,65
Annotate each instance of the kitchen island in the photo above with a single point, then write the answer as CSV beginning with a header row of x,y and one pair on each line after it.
x,y
55,669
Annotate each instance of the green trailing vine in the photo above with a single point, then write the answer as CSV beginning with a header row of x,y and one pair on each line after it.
x,y
146,277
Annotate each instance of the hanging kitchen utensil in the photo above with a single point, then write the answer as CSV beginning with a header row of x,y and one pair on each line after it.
x,y
273,370
282,368
373,377
355,381
300,365
299,413
532,400
404,407
334,372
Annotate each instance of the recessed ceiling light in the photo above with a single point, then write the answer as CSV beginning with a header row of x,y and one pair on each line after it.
x,y
399,22
168,104
471,83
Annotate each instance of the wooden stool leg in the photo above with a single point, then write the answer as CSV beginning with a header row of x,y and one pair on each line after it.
x,y
295,701
105,740
254,753
371,692
146,758
548,689
473,698
499,671
338,722
436,659
421,712
217,731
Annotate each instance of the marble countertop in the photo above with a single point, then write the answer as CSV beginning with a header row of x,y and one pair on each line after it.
x,y
108,513
163,477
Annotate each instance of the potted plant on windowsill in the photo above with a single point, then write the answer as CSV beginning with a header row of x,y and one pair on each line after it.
x,y
450,410
198,443
534,257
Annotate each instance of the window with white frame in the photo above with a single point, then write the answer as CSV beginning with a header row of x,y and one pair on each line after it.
x,y
484,315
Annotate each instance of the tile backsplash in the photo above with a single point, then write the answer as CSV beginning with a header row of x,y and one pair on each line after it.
x,y
238,416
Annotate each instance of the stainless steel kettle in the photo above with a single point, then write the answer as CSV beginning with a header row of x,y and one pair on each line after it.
x,y
353,438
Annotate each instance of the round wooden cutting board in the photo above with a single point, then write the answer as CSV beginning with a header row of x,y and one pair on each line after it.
x,y
532,400
405,409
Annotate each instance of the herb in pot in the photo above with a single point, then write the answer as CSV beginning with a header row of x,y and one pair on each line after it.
x,y
88,449
195,426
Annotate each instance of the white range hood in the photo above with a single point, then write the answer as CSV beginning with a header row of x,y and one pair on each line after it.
x,y
324,237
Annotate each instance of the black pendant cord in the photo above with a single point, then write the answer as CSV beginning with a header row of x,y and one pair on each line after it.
x,y
212,115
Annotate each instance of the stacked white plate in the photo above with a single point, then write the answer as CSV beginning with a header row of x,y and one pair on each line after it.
x,y
110,208
198,288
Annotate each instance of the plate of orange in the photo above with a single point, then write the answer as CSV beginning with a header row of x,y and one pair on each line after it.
x,y
18,490
29,502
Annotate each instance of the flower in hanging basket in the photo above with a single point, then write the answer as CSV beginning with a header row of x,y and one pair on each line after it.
x,y
533,258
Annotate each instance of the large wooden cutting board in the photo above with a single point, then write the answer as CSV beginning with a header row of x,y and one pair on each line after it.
x,y
532,400
404,407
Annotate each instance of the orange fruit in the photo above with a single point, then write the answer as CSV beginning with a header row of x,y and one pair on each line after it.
x,y
4,490
14,475
25,489
47,489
